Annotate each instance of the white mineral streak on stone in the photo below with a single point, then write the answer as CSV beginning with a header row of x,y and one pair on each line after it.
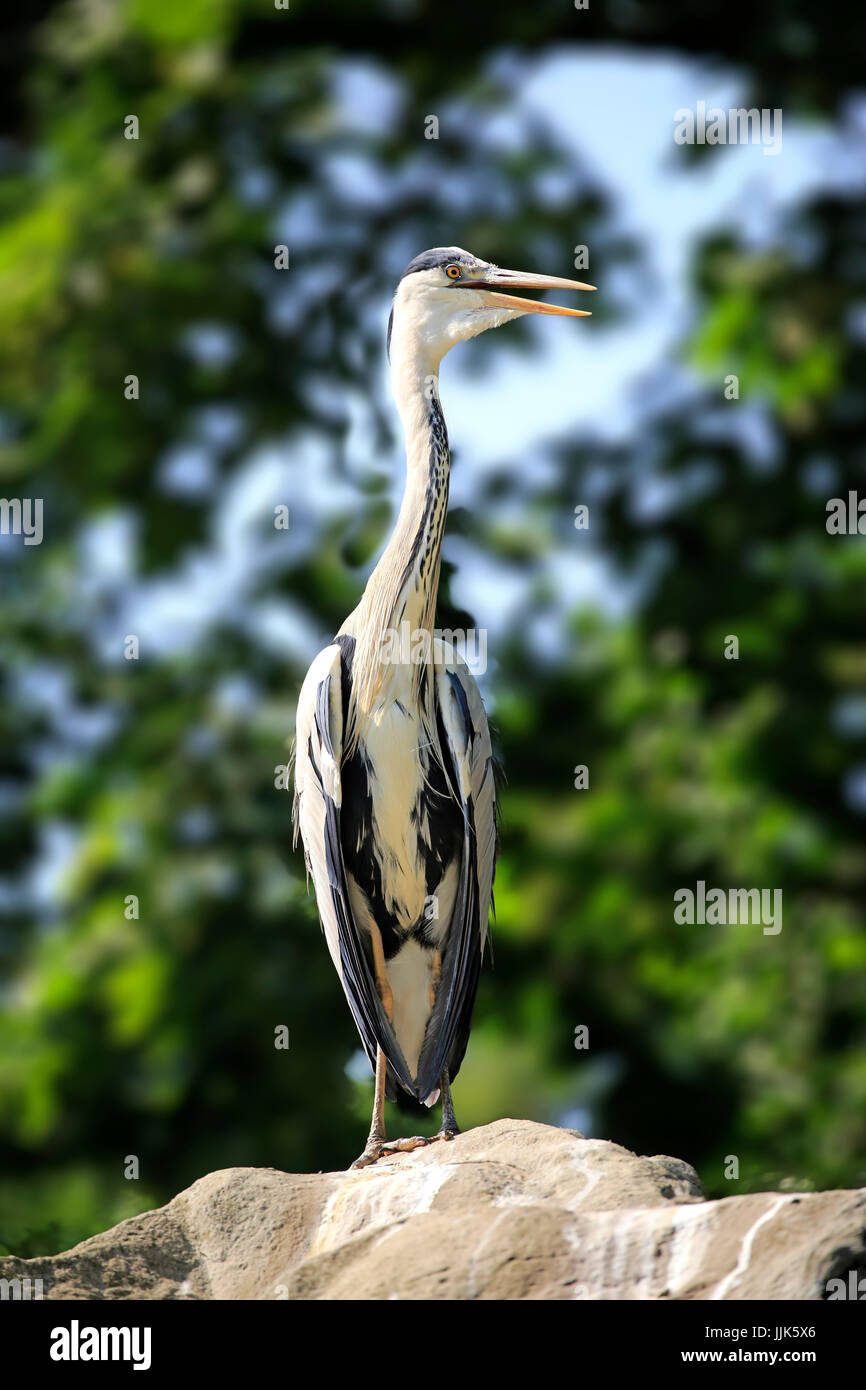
x,y
592,1173
370,1199
742,1264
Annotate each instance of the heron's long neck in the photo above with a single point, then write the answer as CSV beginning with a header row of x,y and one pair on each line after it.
x,y
404,584
403,587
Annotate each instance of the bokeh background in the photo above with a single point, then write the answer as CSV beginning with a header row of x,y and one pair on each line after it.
x,y
259,388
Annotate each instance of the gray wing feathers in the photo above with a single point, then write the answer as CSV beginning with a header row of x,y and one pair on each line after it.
x,y
468,741
318,798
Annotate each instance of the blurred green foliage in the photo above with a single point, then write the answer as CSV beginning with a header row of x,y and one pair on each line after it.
x,y
155,1037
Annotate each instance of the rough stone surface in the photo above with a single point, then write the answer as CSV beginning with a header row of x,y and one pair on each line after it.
x,y
513,1210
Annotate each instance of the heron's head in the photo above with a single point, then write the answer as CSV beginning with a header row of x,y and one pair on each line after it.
x,y
448,295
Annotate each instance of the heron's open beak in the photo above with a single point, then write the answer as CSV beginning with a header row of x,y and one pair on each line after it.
x,y
497,280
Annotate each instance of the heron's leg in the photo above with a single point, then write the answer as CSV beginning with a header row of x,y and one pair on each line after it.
x,y
376,1137
377,1125
384,988
435,973
449,1126
376,1144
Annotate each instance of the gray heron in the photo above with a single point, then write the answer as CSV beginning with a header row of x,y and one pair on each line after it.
x,y
394,794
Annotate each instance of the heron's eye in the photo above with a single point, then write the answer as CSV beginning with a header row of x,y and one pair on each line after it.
x,y
453,272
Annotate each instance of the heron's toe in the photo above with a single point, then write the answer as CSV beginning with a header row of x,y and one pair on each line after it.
x,y
449,1133
400,1146
371,1154
382,1149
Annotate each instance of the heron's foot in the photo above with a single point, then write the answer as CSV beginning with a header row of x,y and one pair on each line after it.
x,y
381,1148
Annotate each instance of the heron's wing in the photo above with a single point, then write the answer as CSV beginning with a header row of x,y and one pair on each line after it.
x,y
466,740
318,799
